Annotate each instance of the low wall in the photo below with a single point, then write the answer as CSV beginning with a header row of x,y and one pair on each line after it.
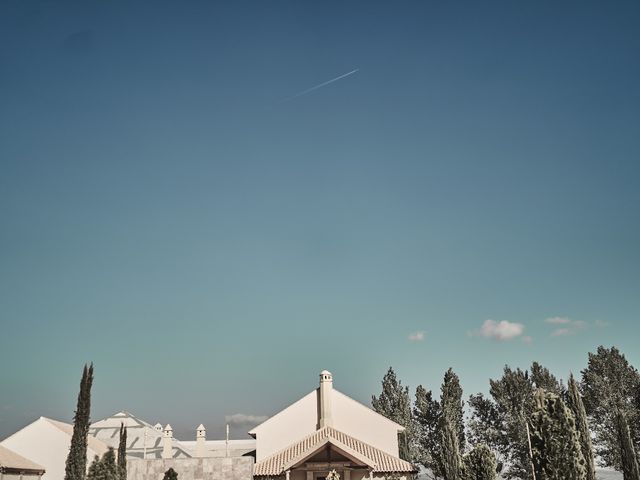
x,y
231,468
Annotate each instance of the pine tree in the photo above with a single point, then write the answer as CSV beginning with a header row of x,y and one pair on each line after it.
x,y
394,403
557,453
122,453
76,464
630,468
450,454
480,464
170,474
109,466
574,402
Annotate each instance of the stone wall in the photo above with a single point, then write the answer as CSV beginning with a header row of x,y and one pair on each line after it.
x,y
231,468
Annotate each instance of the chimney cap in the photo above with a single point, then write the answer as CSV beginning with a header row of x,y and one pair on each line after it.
x,y
325,372
200,427
168,428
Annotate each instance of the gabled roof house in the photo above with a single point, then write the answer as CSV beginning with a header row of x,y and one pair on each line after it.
x,y
325,431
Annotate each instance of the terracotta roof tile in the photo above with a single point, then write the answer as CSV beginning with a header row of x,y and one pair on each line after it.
x,y
381,461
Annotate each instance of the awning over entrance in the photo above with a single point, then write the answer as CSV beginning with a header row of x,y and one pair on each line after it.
x,y
354,451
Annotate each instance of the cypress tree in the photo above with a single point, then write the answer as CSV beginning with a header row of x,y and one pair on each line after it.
x,y
395,403
450,455
630,469
557,453
122,453
170,474
574,402
76,464
480,464
94,469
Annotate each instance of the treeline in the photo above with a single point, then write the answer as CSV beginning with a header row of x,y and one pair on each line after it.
x,y
531,426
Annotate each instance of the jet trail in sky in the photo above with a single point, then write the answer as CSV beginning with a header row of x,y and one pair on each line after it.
x,y
309,90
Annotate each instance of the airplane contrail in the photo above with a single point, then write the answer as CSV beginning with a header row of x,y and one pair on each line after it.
x,y
309,90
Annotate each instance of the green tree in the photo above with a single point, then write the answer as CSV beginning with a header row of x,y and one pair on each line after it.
x,y
394,403
480,464
574,402
557,453
95,469
428,417
426,413
76,463
630,469
610,383
501,421
109,466
170,474
122,453
450,454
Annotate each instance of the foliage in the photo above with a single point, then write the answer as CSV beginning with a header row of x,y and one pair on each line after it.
x,y
557,453
501,421
450,453
629,459
610,383
574,402
394,403
104,468
122,453
76,463
428,416
480,464
170,474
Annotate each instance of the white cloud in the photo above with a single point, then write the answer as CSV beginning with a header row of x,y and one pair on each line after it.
x,y
527,339
501,331
558,320
244,420
562,332
566,326
417,336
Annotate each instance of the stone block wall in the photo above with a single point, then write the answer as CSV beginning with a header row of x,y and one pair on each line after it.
x,y
228,468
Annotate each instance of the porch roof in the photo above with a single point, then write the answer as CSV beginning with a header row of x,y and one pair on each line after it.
x,y
372,457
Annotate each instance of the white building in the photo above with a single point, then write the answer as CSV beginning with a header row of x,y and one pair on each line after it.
x,y
16,467
324,431
46,442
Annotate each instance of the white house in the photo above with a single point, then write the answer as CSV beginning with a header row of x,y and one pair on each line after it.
x,y
324,431
46,442
16,467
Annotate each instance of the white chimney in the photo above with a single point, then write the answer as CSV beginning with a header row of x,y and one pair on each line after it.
x,y
201,436
166,442
326,392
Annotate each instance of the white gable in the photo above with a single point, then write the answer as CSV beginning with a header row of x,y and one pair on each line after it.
x,y
46,442
302,418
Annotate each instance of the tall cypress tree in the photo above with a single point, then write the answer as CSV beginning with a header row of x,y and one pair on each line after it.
x,y
450,455
630,468
122,453
574,402
557,453
76,464
395,404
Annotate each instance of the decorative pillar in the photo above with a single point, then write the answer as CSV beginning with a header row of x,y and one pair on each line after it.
x,y
167,449
201,437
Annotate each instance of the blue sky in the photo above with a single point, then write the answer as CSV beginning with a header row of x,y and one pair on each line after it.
x,y
169,212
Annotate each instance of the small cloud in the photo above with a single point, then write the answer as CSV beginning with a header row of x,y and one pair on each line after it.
x,y
244,420
417,336
558,320
527,339
602,324
567,326
501,331
562,332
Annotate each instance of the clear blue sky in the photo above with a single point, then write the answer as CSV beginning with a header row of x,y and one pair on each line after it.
x,y
169,212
